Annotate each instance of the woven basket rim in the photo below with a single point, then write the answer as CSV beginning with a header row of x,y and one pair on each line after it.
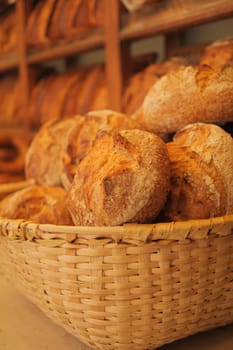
x,y
138,233
174,231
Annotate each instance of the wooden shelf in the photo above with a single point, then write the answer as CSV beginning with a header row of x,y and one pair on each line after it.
x,y
8,62
92,41
174,15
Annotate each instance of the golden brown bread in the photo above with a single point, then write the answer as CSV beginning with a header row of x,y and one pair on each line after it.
x,y
189,95
74,18
11,109
139,84
201,173
136,90
69,107
96,12
38,23
100,97
84,134
39,204
55,98
31,29
54,28
69,18
44,158
218,53
123,178
36,100
8,34
92,79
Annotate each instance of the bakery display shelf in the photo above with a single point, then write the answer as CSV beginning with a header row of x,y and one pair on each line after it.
x,y
67,47
8,61
173,15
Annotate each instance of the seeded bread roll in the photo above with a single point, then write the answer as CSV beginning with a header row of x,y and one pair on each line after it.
x,y
39,204
123,178
189,95
201,173
44,158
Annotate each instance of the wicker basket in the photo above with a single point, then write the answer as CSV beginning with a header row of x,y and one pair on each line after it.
x,y
126,287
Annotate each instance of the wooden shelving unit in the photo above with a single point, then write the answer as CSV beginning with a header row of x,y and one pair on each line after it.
x,y
169,18
91,41
8,62
173,15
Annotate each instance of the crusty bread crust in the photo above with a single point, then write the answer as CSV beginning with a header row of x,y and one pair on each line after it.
x,y
44,158
84,134
39,204
189,95
124,178
201,173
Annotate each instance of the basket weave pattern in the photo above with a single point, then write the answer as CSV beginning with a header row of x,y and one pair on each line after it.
x,y
129,287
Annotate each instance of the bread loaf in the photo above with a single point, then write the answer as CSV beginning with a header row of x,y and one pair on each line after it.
x,y
44,158
218,53
38,23
189,95
39,204
139,84
96,12
83,135
123,178
201,158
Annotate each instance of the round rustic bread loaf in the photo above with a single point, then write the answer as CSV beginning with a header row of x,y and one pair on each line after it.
x,y
124,178
83,135
44,158
201,158
39,204
189,95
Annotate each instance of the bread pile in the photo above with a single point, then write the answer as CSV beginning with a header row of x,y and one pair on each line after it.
x,y
58,19
107,171
114,171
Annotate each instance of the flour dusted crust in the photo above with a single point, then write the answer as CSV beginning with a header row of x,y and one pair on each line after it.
x,y
189,95
44,158
123,178
201,173
39,204
140,83
84,134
